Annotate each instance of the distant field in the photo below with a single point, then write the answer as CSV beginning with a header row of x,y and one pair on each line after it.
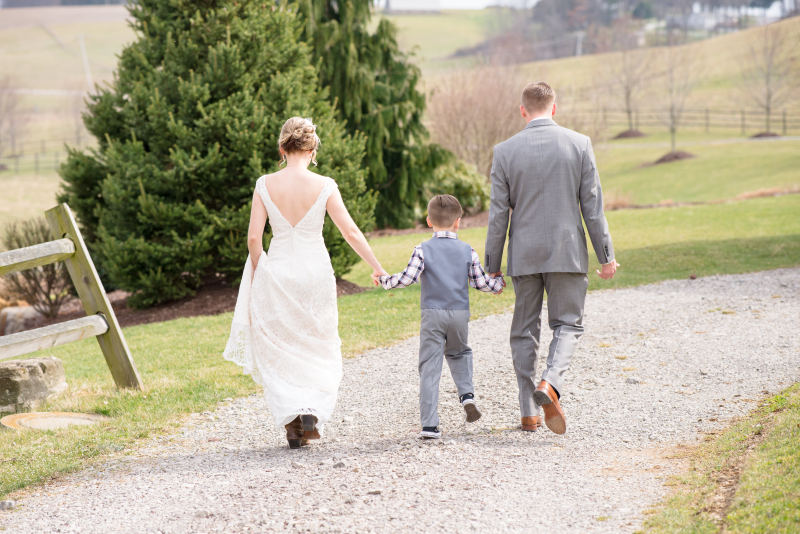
x,y
41,50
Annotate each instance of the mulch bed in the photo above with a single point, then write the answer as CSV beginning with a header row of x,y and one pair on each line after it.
x,y
670,157
629,134
210,300
761,135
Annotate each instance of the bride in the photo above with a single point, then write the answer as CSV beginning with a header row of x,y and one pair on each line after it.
x,y
285,326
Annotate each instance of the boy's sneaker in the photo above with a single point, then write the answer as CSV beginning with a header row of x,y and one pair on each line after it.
x,y
468,402
430,432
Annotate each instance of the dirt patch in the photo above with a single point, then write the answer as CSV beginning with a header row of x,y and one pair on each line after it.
x,y
210,300
670,157
629,134
476,220
727,480
761,135
771,192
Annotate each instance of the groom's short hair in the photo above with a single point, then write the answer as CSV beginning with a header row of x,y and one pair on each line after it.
x,y
538,96
443,210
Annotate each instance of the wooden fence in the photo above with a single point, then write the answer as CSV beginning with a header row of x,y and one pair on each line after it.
x,y
100,320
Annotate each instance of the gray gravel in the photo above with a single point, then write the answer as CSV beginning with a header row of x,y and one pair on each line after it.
x,y
658,366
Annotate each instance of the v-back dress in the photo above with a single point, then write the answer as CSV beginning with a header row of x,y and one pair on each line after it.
x,y
285,326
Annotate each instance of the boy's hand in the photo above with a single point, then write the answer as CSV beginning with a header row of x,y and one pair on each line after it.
x,y
499,274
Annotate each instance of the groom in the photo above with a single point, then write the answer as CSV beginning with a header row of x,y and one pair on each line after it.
x,y
546,177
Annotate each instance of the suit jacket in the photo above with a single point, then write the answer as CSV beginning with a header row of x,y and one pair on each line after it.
x,y
547,177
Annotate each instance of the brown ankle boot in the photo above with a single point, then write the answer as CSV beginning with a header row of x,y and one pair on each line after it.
x,y
294,433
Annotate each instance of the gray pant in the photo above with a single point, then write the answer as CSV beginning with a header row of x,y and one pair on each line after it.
x,y
442,334
566,294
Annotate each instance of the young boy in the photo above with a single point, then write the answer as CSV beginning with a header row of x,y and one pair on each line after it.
x,y
446,267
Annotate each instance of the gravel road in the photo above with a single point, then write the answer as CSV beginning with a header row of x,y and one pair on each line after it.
x,y
659,366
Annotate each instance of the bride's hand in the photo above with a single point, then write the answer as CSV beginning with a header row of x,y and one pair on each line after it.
x,y
376,276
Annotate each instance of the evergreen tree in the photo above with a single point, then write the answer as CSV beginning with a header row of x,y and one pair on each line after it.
x,y
374,87
189,123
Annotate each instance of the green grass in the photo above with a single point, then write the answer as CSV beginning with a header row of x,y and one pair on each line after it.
x,y
651,245
183,371
721,170
764,449
21,201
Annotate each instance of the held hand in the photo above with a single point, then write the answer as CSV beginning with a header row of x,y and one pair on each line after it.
x,y
608,270
376,276
500,274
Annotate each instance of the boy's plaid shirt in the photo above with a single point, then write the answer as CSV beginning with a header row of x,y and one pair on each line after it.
x,y
477,276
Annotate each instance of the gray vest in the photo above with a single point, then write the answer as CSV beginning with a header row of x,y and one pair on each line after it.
x,y
445,279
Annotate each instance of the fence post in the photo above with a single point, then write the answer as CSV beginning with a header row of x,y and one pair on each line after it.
x,y
636,119
784,122
36,162
742,122
706,120
93,297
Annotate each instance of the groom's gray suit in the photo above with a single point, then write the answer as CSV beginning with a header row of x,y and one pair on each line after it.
x,y
546,177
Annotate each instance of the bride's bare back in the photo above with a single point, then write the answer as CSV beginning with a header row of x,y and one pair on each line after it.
x,y
293,191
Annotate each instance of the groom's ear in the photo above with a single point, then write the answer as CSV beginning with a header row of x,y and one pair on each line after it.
x,y
554,109
428,219
523,112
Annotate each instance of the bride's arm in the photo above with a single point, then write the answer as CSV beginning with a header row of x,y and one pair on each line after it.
x,y
255,233
351,233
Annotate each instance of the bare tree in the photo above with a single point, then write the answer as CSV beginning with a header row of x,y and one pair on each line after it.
x,y
472,110
678,81
769,82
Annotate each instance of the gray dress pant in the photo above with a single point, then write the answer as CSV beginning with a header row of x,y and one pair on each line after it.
x,y
566,294
442,335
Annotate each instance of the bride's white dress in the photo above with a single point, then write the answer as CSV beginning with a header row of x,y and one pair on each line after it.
x,y
285,327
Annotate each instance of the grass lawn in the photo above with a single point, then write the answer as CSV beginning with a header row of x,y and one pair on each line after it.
x,y
722,169
183,372
761,455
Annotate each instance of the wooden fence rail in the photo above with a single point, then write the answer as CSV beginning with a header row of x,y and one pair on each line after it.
x,y
100,320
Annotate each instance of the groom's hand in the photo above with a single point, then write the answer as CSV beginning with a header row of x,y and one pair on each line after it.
x,y
500,274
608,270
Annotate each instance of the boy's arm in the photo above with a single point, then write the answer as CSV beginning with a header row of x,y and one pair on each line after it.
x,y
409,275
482,281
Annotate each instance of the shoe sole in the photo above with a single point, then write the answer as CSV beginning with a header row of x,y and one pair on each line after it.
x,y
424,435
309,422
294,443
473,414
552,418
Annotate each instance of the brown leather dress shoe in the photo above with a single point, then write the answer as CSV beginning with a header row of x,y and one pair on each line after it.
x,y
546,397
294,433
531,423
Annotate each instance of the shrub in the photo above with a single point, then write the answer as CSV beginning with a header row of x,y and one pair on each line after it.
x,y
46,288
461,180
188,125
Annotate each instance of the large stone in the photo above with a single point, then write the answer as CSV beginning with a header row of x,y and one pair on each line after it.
x,y
25,384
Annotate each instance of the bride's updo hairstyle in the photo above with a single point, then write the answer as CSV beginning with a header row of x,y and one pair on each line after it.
x,y
299,135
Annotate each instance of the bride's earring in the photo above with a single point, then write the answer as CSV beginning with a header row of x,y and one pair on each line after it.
x,y
283,160
314,158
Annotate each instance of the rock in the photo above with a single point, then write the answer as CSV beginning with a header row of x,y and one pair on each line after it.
x,y
24,384
17,318
7,505
631,380
338,464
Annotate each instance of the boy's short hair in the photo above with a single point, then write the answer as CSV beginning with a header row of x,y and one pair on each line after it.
x,y
443,210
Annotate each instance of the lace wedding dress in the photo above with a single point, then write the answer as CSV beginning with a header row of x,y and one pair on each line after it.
x,y
285,325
